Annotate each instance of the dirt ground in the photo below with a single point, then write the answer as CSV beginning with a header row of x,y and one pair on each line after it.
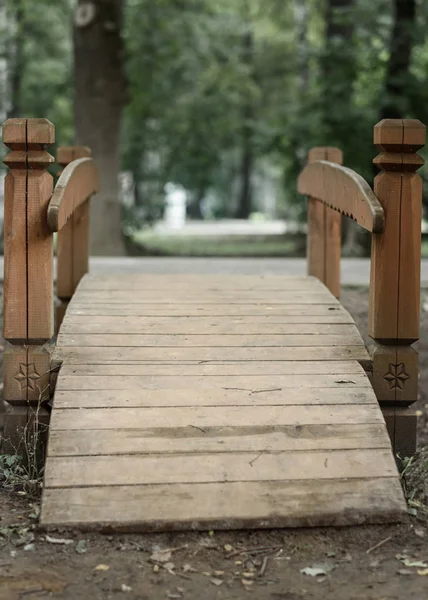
x,y
367,563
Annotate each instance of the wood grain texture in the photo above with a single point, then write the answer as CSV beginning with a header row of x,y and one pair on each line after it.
x,y
215,397
28,311
226,381
212,396
189,440
208,283
345,191
324,231
218,467
317,313
226,505
81,324
214,416
395,261
77,183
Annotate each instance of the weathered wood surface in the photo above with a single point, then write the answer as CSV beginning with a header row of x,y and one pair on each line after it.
x,y
213,405
345,191
324,230
76,184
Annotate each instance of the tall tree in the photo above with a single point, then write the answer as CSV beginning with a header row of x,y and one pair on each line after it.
x,y
396,100
100,91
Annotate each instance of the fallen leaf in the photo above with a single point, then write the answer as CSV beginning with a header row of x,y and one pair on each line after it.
x,y
218,573
404,572
29,547
423,572
412,512
216,581
169,566
81,547
420,532
156,569
331,554
101,567
318,569
228,548
408,562
53,540
161,556
247,582
125,588
189,569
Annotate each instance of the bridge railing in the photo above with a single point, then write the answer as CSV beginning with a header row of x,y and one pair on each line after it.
x,y
393,213
68,214
33,211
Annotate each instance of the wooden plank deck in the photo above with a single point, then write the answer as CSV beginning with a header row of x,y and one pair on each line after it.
x,y
188,402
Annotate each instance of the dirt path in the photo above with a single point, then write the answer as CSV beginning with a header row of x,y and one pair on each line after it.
x,y
224,566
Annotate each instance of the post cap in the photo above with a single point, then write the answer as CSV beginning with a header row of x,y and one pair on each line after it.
x,y
399,135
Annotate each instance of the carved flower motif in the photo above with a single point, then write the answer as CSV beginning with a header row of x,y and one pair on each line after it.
x,y
396,376
27,376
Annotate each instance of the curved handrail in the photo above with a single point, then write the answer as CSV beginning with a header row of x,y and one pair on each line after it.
x,y
77,183
345,191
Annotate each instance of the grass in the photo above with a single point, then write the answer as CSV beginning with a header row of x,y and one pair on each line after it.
x,y
150,243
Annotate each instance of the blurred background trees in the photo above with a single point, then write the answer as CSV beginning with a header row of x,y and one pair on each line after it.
x,y
224,98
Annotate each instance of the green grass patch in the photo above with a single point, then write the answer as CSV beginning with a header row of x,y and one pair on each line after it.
x,y
149,243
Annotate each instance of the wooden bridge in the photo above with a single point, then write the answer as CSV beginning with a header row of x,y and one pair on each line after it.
x,y
196,402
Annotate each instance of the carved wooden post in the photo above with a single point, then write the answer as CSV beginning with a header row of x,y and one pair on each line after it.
x,y
28,282
72,241
324,231
395,277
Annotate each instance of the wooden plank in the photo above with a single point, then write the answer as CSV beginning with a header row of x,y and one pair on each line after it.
x,y
227,505
214,416
175,382
212,283
217,439
80,324
108,356
300,369
318,312
194,341
199,300
209,468
214,397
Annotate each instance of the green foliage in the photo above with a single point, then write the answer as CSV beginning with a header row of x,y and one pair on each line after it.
x,y
37,46
207,80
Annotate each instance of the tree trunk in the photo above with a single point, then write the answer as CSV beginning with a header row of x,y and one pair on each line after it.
x,y
338,72
245,198
395,100
99,99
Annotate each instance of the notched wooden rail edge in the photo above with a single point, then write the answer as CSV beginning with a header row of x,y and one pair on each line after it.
x,y
76,184
343,190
